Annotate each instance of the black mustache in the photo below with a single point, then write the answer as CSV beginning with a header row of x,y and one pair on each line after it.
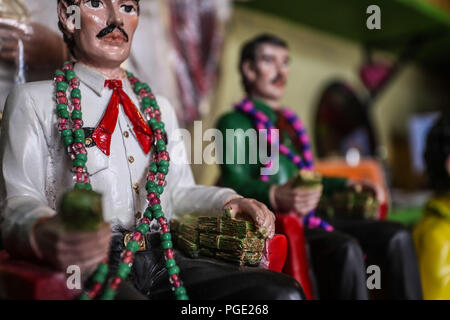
x,y
109,29
279,77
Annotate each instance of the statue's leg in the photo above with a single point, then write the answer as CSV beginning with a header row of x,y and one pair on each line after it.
x,y
390,246
127,291
212,279
338,265
203,278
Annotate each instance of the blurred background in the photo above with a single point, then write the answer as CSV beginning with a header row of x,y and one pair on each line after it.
x,y
381,89
363,94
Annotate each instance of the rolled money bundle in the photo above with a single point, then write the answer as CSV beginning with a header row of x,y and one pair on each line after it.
x,y
351,203
174,225
344,201
231,244
236,241
245,258
189,230
188,247
185,235
207,252
307,179
366,205
81,210
226,225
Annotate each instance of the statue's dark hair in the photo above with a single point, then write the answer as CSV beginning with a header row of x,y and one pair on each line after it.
x,y
70,42
436,153
248,52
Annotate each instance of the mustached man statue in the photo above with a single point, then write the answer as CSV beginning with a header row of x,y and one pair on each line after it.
x,y
97,127
337,249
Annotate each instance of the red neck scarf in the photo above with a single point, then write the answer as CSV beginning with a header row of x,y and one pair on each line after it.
x,y
102,134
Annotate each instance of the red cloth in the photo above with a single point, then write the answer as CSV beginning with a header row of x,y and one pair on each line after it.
x,y
25,280
276,252
297,265
102,134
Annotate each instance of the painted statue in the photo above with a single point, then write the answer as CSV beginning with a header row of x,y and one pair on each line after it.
x,y
97,127
432,234
337,248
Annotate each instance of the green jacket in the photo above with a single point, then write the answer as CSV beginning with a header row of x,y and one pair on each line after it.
x,y
245,178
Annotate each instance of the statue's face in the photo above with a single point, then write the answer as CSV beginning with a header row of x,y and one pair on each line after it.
x,y
107,30
268,75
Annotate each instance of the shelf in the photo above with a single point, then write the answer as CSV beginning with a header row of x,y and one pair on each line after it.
x,y
401,21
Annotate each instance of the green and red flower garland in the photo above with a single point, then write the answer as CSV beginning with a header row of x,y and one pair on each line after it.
x,y
71,127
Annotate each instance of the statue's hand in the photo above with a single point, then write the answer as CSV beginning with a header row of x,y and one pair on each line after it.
x,y
61,248
263,218
300,200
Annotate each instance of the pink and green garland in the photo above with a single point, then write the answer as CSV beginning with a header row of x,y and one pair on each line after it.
x,y
71,127
305,161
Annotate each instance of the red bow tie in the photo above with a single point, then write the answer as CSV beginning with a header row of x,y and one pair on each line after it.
x,y
102,134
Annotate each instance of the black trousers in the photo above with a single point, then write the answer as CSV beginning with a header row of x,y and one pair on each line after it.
x,y
203,278
339,260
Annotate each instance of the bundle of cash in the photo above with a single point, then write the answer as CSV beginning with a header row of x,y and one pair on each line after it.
x,y
189,230
307,179
226,225
207,252
351,203
222,237
231,244
188,247
245,258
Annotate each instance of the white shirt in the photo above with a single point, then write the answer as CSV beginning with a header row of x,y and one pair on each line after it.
x,y
35,170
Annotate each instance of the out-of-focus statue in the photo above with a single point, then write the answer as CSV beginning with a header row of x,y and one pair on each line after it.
x,y
30,44
432,234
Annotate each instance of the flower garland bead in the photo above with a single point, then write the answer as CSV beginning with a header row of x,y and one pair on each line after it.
x,y
143,228
116,282
124,269
109,294
62,86
166,237
261,121
66,80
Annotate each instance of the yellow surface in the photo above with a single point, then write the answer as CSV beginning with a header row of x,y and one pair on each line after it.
x,y
432,240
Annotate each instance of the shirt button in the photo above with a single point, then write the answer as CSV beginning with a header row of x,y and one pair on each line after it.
x,y
88,142
138,215
136,188
126,134
130,159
